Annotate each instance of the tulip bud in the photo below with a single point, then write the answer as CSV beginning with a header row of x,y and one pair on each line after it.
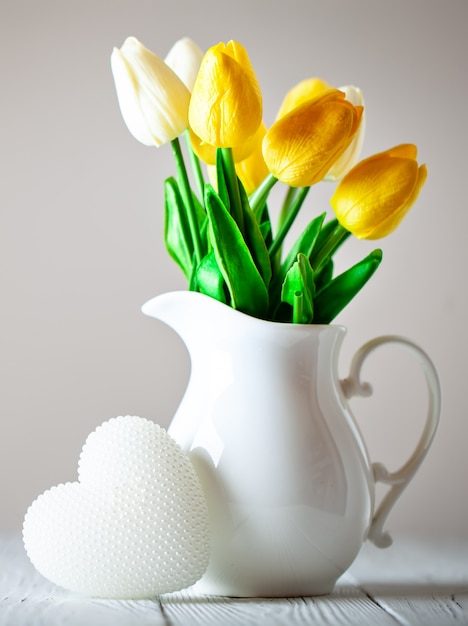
x,y
372,199
350,156
312,88
184,59
226,104
252,171
153,100
300,147
307,89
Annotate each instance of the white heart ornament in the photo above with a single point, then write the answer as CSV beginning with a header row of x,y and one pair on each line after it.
x,y
135,525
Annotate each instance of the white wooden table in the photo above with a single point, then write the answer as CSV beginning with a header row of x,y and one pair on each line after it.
x,y
415,582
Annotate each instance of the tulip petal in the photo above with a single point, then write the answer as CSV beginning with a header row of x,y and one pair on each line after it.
x,y
372,199
392,221
184,59
350,156
301,146
226,106
375,194
127,93
153,100
404,151
307,89
252,170
237,52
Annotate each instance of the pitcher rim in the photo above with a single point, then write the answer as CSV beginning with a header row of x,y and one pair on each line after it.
x,y
233,311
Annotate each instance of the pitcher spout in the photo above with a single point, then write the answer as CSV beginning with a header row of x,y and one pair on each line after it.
x,y
188,313
173,308
166,307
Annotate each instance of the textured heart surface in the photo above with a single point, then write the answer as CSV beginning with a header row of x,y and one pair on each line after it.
x,y
135,525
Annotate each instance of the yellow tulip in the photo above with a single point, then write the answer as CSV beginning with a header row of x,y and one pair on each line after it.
x,y
226,104
351,155
184,59
300,147
253,170
376,194
203,150
311,88
153,100
307,89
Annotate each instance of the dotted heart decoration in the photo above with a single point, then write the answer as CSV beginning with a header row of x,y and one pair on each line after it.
x,y
135,525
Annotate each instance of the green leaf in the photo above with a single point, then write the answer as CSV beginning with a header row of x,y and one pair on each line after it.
x,y
246,287
254,239
177,235
331,236
304,245
332,299
209,279
325,232
265,229
202,221
324,275
298,290
223,192
190,213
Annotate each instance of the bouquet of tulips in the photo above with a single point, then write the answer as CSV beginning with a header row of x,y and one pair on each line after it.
x,y
218,225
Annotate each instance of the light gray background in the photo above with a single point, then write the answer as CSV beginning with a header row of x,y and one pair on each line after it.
x,y
81,243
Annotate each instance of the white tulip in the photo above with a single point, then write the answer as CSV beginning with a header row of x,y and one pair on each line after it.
x,y
184,58
153,100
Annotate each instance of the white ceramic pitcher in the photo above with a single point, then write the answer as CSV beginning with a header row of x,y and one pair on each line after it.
x,y
266,422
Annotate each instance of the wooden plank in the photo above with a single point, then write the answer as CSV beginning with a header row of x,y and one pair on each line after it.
x,y
26,597
420,582
346,606
412,583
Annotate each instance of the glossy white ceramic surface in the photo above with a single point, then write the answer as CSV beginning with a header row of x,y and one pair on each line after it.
x,y
288,480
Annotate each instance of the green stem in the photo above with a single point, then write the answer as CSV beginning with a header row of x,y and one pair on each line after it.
x,y
188,199
258,197
196,168
232,187
298,307
290,195
330,244
288,221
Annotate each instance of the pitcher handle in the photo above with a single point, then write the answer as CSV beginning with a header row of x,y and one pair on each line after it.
x,y
352,386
